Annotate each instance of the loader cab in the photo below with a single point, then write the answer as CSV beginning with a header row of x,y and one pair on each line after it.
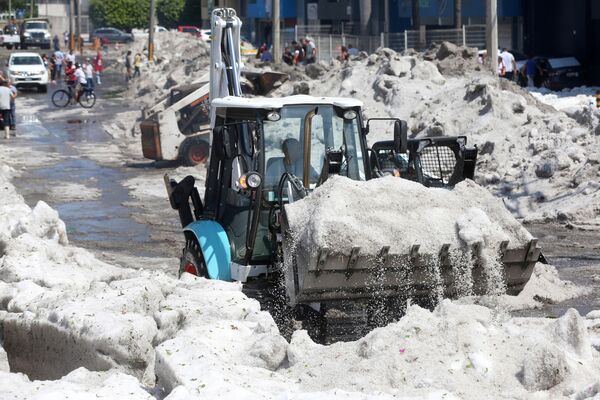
x,y
292,143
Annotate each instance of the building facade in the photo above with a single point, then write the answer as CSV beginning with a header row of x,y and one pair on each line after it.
x,y
58,11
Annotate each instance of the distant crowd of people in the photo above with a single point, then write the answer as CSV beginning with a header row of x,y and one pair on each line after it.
x,y
75,73
507,68
303,52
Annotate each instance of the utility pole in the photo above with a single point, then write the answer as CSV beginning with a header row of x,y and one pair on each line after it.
x,y
276,32
79,47
10,8
458,14
365,16
31,10
492,34
386,17
151,33
71,23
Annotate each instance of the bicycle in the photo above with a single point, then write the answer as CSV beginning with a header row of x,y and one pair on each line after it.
x,y
62,98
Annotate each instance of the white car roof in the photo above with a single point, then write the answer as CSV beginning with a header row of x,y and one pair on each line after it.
x,y
24,54
271,103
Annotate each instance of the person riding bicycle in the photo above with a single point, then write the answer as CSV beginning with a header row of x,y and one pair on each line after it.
x,y
70,77
81,81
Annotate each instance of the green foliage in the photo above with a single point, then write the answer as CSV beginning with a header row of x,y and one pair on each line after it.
x,y
168,12
124,14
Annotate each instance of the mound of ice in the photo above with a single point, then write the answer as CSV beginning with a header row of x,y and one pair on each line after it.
x,y
4,367
61,309
43,222
399,213
455,351
79,384
520,138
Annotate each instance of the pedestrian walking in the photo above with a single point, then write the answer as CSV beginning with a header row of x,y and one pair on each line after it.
x,y
137,63
88,68
501,67
71,57
60,62
509,63
288,56
310,49
266,56
343,57
5,95
13,106
98,67
352,51
298,52
128,66
52,68
66,38
56,42
260,50
530,69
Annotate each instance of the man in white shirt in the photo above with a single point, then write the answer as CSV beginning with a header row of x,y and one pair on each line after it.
x,y
509,63
310,50
5,96
70,57
59,56
88,68
81,81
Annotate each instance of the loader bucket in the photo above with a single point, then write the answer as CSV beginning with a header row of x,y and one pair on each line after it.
x,y
328,275
264,81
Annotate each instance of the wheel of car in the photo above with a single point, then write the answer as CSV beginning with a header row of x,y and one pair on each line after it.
x,y
9,46
43,88
23,47
195,151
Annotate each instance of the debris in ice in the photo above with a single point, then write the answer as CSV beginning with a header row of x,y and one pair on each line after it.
x,y
544,367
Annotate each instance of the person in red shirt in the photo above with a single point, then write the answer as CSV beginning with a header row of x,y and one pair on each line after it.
x,y
70,77
98,66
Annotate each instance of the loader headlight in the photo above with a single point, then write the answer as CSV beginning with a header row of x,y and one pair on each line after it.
x,y
251,180
350,114
273,116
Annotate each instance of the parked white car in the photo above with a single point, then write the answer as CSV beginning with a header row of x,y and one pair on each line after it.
x,y
27,70
138,33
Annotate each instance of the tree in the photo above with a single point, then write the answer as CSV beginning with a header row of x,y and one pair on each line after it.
x,y
169,12
124,14
16,4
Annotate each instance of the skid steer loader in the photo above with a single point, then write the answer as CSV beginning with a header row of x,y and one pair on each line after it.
x,y
269,152
177,128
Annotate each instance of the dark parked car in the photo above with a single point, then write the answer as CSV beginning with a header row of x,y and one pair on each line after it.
x,y
112,35
554,73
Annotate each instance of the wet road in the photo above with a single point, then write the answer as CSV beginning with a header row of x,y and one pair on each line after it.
x,y
88,191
